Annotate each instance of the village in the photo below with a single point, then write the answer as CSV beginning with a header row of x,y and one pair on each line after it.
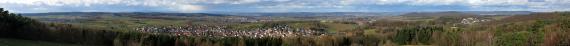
x,y
221,31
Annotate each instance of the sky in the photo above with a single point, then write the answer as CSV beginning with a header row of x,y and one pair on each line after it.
x,y
199,6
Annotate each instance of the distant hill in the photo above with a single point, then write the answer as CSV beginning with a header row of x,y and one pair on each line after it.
x,y
437,14
297,14
123,14
318,14
466,13
499,12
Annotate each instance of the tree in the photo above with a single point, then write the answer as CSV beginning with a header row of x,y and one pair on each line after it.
x,y
12,25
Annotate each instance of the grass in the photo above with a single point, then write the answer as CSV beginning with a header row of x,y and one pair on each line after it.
x,y
18,42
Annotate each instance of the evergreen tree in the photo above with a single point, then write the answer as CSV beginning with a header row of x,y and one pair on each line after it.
x,y
12,25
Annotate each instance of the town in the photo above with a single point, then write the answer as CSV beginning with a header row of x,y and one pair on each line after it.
x,y
222,31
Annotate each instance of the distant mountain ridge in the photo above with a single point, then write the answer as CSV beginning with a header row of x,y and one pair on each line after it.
x,y
436,14
284,13
466,13
122,13
498,12
319,14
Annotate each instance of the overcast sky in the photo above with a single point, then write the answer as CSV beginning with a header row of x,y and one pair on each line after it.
x,y
192,6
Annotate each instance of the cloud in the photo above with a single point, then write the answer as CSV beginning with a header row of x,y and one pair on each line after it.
x,y
190,8
530,5
179,5
62,2
452,2
282,5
